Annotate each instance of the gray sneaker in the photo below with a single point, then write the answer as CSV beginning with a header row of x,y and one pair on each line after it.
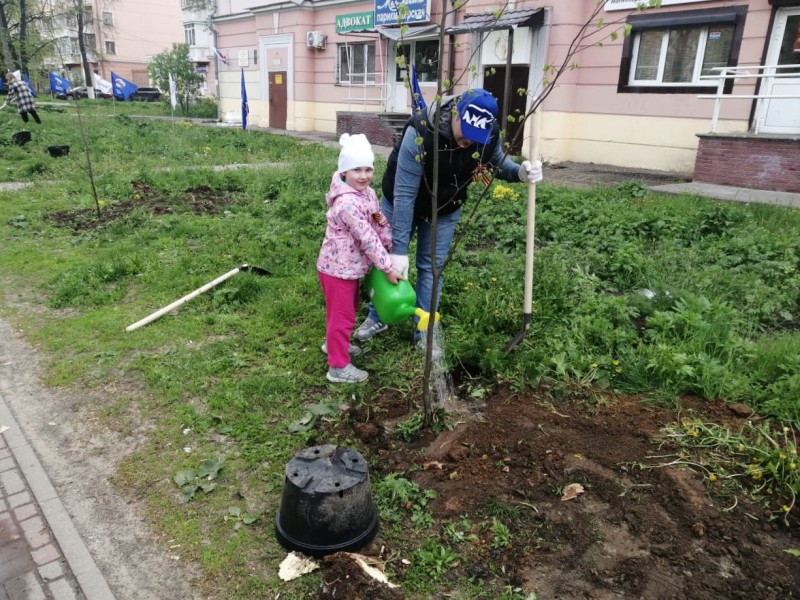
x,y
347,374
352,349
370,329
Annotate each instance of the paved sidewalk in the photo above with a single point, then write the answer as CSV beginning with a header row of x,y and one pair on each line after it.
x,y
42,556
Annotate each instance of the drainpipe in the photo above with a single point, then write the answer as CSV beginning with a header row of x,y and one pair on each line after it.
x,y
210,25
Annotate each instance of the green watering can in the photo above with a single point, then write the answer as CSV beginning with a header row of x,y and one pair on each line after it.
x,y
394,303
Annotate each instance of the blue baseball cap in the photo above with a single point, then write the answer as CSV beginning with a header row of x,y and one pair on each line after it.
x,y
477,111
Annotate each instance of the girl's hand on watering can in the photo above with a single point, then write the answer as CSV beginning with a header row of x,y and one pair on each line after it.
x,y
393,278
400,264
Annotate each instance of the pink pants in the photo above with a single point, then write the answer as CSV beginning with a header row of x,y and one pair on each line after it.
x,y
341,303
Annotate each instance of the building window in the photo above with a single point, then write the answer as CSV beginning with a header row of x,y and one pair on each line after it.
x,y
90,40
188,32
669,52
355,63
108,18
111,47
255,56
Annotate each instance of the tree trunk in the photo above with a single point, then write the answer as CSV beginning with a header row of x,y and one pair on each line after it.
x,y
23,36
9,52
87,71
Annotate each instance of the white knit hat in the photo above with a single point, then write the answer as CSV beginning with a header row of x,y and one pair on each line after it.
x,y
356,152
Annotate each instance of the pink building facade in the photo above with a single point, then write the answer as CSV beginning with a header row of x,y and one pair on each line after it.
x,y
640,93
122,36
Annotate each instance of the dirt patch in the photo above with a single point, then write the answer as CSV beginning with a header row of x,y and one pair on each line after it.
x,y
588,175
198,200
635,531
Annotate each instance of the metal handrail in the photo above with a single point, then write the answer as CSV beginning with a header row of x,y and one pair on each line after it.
x,y
382,97
743,72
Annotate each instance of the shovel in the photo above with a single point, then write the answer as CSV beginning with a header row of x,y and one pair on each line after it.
x,y
530,236
162,311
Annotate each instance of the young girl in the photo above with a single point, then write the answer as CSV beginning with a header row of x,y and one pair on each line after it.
x,y
25,106
356,238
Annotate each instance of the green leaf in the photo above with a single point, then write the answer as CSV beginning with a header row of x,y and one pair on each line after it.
x,y
181,478
793,552
303,425
209,468
321,410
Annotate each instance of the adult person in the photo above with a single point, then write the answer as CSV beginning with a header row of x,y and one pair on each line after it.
x,y
469,143
19,90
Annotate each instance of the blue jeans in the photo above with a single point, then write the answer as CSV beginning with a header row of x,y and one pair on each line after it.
x,y
445,229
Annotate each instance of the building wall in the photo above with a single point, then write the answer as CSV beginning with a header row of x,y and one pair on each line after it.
x,y
141,29
584,119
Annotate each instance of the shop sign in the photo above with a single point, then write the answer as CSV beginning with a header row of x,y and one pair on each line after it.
x,y
360,21
387,12
634,4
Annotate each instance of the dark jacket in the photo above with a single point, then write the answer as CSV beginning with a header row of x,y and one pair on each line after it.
x,y
456,165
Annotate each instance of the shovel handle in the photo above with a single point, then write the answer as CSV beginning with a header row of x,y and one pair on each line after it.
x,y
162,311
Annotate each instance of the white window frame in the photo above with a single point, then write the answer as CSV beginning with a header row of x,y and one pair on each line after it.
x,y
702,33
111,47
107,18
361,78
189,34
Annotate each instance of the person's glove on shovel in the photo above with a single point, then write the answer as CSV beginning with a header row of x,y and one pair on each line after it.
x,y
400,265
530,173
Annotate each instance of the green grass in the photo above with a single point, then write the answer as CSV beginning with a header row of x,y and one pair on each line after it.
x,y
633,293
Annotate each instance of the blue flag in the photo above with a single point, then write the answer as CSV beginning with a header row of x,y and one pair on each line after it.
x,y
28,83
417,99
245,106
59,85
123,89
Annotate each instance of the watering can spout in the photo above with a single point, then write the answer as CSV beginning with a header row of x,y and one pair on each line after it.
x,y
424,319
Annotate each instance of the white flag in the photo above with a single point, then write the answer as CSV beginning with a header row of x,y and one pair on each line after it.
x,y
173,95
101,84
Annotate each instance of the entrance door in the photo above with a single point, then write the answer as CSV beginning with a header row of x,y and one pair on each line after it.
x,y
424,54
277,99
782,115
494,81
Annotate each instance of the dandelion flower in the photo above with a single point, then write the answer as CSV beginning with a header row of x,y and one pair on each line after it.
x,y
712,477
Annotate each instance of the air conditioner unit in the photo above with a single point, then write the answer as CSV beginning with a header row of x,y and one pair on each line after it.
x,y
316,39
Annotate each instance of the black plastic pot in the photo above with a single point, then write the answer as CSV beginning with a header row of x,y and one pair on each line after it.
x,y
56,151
326,505
21,138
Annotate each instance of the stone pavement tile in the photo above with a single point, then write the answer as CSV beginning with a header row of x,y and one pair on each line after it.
x,y
6,464
26,511
45,554
19,499
26,587
9,530
16,565
36,532
62,590
11,482
52,570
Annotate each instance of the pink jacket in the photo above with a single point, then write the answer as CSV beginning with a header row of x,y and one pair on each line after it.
x,y
358,235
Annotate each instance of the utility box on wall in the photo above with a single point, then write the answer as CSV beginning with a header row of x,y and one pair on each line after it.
x,y
316,40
